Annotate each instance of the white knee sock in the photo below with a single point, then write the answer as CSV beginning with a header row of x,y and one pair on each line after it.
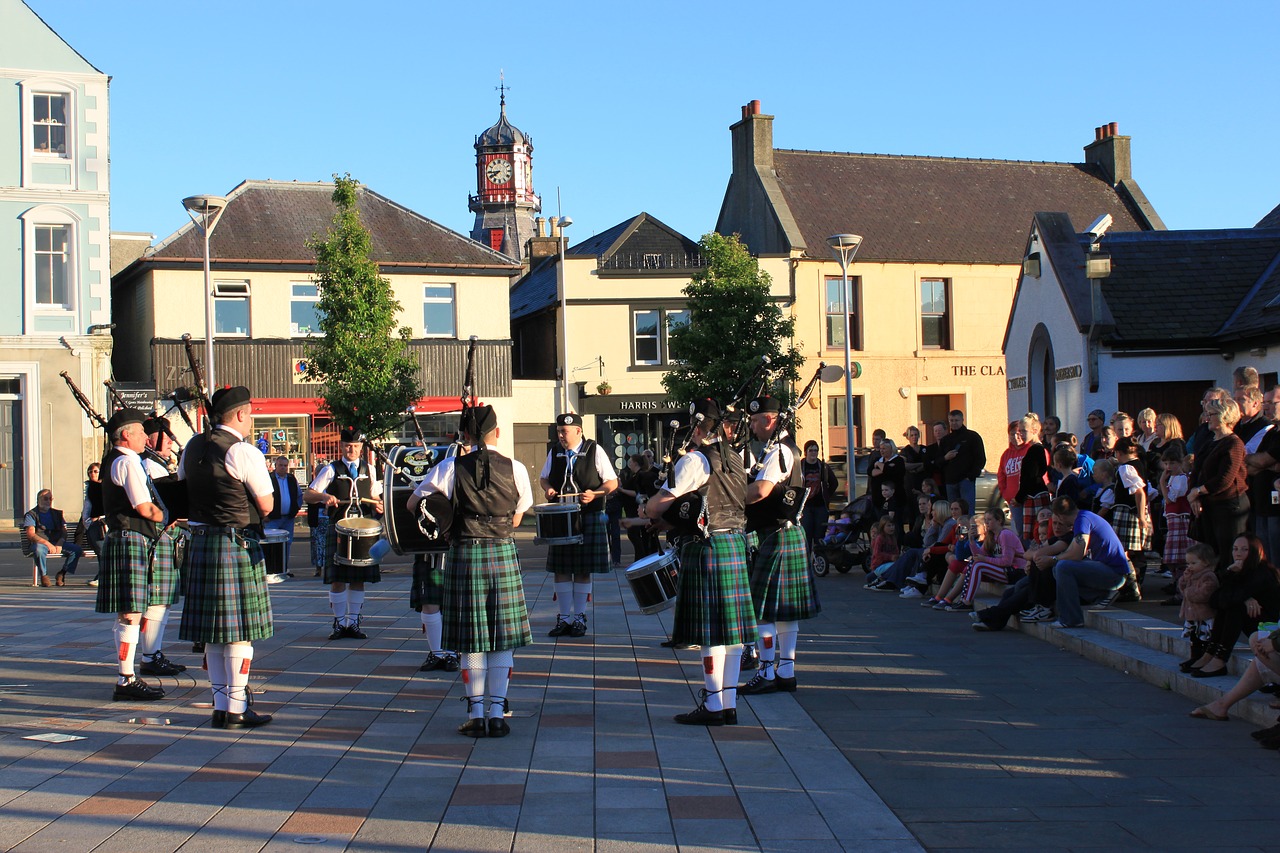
x,y
126,637
433,627
767,632
239,656
713,676
152,629
355,603
564,597
338,603
215,661
732,663
473,682
788,633
499,676
581,596
164,625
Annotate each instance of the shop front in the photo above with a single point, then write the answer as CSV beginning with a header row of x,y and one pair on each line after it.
x,y
626,424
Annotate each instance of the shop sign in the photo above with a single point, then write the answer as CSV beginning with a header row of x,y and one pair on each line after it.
x,y
977,370
1016,383
1074,371
299,373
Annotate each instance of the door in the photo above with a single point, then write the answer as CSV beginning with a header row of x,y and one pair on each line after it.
x,y
11,471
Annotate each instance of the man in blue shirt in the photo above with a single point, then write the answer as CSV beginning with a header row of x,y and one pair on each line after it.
x,y
1094,562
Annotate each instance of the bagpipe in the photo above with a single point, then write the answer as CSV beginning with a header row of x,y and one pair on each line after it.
x,y
786,502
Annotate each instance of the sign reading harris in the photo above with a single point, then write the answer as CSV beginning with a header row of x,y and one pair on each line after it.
x,y
631,404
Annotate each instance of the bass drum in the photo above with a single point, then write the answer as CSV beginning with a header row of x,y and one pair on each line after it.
x,y
415,532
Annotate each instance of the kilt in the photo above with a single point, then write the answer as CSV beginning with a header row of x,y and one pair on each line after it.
x,y
483,604
319,535
167,568
428,580
124,571
1175,540
1030,508
227,599
338,573
592,556
1128,527
713,604
782,587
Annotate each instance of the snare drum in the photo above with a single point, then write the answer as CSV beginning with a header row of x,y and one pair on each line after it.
x,y
653,581
355,540
558,524
273,547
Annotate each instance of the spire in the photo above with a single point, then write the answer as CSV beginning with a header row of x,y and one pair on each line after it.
x,y
502,93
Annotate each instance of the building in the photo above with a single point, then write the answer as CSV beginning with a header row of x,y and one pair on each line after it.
x,y
55,218
504,203
265,309
1174,313
933,282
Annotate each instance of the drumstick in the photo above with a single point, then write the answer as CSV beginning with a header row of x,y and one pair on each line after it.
x,y
635,522
369,500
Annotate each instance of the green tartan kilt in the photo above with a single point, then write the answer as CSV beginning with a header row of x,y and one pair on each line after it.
x,y
227,599
123,572
483,605
713,605
428,580
1128,527
167,568
592,556
338,573
782,586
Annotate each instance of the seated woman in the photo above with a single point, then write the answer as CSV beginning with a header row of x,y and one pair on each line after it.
x,y
939,531
1264,669
1248,593
892,577
953,582
1001,559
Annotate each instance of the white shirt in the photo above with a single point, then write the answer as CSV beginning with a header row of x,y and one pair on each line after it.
x,y
440,478
155,469
127,473
691,472
1129,478
244,462
771,468
327,473
604,467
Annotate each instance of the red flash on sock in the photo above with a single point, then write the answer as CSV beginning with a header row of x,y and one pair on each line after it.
x,y
466,676
709,666
142,624
588,598
244,666
204,663
124,651
768,642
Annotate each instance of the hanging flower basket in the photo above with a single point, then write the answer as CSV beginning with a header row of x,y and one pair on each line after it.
x,y
604,389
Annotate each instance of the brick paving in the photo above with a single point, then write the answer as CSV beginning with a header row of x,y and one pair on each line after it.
x,y
909,731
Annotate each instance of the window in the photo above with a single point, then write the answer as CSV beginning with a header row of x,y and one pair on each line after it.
x,y
52,263
437,311
651,334
231,308
49,123
835,313
934,326
304,315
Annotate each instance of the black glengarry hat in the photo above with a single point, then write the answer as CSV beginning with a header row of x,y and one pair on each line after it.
x,y
478,421
124,417
764,404
569,419
351,434
231,397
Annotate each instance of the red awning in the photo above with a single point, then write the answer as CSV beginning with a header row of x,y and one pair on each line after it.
x,y
312,406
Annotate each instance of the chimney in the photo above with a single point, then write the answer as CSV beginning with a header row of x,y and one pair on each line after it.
x,y
1110,152
554,223
540,226
752,140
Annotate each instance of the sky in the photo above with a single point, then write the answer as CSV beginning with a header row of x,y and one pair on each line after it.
x,y
628,104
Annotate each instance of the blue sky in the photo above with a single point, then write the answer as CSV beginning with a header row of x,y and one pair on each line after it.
x,y
629,104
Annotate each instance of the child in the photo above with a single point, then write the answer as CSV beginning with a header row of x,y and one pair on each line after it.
x,y
894,507
1177,511
884,547
954,579
838,528
1106,444
1104,478
1129,517
1197,584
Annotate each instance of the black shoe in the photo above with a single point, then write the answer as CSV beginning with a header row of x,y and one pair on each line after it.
x,y
160,665
136,691
474,727
1186,665
1264,734
339,631
562,627
668,644
451,662
750,659
353,631
1200,673
432,663
250,719
700,716
758,686
498,727
785,685
730,716
197,648
579,627
219,720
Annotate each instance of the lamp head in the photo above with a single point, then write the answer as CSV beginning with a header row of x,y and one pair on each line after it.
x,y
204,204
844,246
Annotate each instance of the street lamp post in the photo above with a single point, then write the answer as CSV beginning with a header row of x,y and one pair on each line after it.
x,y
562,223
205,211
844,247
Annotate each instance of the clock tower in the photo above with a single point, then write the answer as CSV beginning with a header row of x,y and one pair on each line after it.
x,y
504,203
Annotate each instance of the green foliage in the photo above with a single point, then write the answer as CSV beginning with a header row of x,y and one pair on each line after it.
x,y
733,322
370,375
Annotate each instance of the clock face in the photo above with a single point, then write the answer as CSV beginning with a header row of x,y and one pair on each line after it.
x,y
498,171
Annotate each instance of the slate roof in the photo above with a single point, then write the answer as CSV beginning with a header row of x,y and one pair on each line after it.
x,y
271,221
1168,286
1271,220
536,291
936,209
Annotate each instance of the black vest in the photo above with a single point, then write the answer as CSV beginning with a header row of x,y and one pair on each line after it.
x,y
93,494
484,513
214,497
585,475
1123,498
768,515
119,512
726,492
350,492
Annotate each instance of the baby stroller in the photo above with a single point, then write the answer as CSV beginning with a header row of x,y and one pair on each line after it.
x,y
852,546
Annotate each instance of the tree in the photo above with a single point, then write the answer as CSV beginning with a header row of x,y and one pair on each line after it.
x,y
370,377
733,322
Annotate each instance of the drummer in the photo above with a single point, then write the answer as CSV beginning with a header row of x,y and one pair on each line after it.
x,y
347,488
579,469
782,587
713,605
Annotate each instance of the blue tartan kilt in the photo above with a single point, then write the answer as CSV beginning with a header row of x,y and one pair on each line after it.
x,y
428,580
335,572
591,557
123,573
713,605
782,585
319,536
483,604
227,600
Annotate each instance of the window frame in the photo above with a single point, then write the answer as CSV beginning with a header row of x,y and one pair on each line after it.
x,y
68,256
226,291
295,299
943,319
452,302
48,215
662,336
29,89
855,314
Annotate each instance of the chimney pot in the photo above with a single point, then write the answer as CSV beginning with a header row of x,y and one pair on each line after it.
x,y
755,107
1097,134
744,111
1113,128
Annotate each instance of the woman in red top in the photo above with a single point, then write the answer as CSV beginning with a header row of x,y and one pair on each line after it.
x,y
1218,493
1009,474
